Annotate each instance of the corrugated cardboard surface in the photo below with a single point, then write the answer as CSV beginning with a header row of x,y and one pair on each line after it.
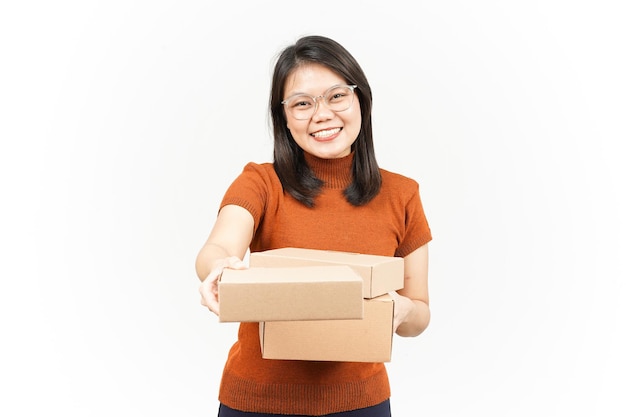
x,y
381,274
367,340
290,293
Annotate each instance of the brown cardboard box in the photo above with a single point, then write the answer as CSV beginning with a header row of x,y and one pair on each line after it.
x,y
367,340
381,274
292,293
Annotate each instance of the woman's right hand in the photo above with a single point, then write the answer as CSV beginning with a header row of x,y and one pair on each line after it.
x,y
209,287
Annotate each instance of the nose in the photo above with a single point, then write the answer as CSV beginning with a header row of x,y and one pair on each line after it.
x,y
322,111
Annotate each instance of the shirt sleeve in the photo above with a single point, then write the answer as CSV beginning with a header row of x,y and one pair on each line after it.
x,y
251,190
418,231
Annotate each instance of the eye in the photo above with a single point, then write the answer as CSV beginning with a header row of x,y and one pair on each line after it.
x,y
301,102
338,94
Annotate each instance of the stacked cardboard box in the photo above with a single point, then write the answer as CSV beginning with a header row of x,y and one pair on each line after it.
x,y
380,274
366,340
292,293
305,315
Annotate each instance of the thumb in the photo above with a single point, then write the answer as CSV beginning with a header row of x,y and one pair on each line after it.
x,y
234,262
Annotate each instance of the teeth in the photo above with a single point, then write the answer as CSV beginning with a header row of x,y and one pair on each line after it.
x,y
326,133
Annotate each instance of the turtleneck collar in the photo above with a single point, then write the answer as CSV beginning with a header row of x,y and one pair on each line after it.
x,y
336,173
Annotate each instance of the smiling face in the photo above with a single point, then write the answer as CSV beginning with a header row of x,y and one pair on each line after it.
x,y
326,134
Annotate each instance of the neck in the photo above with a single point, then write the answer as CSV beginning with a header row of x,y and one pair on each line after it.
x,y
336,173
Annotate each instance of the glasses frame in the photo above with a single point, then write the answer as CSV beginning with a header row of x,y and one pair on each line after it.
x,y
324,97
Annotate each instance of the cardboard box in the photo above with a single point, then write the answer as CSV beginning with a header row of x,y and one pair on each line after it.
x,y
290,293
367,340
381,274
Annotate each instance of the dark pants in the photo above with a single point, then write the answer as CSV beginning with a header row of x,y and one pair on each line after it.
x,y
381,410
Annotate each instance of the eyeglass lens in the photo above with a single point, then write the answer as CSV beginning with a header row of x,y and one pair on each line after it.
x,y
337,99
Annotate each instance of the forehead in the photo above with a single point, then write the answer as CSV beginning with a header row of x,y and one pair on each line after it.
x,y
311,79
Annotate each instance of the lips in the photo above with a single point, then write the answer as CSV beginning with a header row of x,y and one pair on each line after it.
x,y
325,134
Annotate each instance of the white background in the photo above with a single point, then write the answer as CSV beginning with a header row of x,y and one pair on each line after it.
x,y
122,123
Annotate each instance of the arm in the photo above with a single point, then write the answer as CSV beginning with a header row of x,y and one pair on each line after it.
x,y
412,313
225,248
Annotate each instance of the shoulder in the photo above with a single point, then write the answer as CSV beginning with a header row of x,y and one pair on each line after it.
x,y
263,171
255,185
260,167
398,182
256,178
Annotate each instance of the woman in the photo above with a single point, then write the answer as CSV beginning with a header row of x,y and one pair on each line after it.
x,y
324,190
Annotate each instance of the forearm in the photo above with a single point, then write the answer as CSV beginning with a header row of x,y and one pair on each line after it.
x,y
208,256
416,321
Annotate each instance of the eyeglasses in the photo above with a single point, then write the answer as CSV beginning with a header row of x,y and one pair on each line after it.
x,y
337,98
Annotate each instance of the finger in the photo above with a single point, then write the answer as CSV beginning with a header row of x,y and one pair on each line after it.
x,y
213,306
208,297
397,320
209,287
211,303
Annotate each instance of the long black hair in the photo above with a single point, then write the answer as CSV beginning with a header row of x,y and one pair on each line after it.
x,y
294,173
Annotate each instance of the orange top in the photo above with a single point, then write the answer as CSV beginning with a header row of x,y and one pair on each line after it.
x,y
392,224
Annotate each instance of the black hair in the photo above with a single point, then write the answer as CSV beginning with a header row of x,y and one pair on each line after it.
x,y
294,173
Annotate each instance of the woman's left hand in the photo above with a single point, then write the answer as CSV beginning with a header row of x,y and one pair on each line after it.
x,y
402,309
